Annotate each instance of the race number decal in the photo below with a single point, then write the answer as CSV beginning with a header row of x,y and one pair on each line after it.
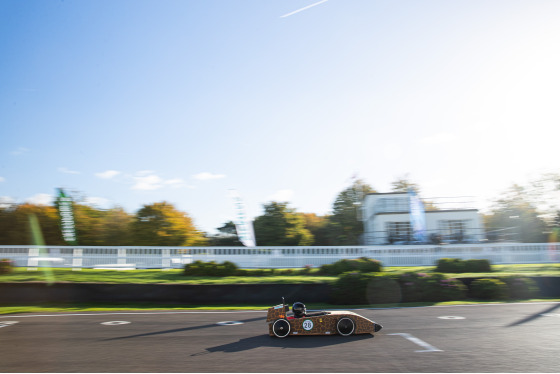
x,y
307,324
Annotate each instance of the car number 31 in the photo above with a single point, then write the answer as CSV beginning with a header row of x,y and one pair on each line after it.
x,y
307,324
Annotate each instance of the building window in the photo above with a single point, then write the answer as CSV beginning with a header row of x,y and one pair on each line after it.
x,y
453,231
398,232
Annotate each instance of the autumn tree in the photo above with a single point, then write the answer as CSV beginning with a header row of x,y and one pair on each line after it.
x,y
281,225
88,223
318,226
117,227
160,224
15,227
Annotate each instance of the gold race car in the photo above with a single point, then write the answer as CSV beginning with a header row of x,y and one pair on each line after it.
x,y
319,323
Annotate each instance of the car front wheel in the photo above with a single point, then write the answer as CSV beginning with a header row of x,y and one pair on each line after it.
x,y
281,328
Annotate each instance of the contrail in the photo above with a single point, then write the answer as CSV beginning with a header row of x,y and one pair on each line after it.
x,y
304,8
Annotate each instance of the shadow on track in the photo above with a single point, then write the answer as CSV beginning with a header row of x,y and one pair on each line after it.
x,y
181,329
291,342
534,316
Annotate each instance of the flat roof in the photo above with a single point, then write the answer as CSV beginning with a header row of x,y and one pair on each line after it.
x,y
432,211
387,193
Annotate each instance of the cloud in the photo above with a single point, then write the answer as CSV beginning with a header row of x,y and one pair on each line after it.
x,y
282,195
40,199
108,174
67,171
177,183
97,202
20,151
204,176
6,201
147,182
2,179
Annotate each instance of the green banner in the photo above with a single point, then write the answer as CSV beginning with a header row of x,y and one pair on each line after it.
x,y
66,212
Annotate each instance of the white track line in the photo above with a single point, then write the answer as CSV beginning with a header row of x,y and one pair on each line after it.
x,y
427,347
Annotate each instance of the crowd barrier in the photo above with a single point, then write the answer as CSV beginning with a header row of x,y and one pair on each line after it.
x,y
79,257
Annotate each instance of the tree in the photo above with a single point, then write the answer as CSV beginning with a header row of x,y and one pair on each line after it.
x,y
15,227
513,210
89,225
403,184
160,224
281,225
227,236
346,224
117,227
544,193
319,227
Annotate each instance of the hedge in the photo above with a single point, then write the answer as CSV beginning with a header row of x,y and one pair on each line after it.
x,y
362,265
228,269
6,266
370,288
521,287
456,265
489,289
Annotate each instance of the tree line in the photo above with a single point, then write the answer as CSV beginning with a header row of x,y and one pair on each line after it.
x,y
531,209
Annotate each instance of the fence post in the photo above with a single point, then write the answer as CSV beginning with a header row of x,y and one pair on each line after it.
x,y
166,259
121,256
77,259
32,259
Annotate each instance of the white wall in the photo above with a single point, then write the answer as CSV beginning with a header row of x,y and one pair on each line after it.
x,y
375,223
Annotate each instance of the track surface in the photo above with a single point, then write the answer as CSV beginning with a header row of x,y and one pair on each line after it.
x,y
483,338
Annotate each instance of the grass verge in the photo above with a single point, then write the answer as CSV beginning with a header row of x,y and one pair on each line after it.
x,y
176,275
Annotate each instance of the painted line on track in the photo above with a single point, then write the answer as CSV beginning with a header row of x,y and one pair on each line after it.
x,y
427,347
229,323
7,323
114,323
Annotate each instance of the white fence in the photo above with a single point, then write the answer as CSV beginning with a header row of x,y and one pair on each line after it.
x,y
273,257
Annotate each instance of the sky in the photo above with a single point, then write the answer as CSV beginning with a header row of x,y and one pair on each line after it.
x,y
136,102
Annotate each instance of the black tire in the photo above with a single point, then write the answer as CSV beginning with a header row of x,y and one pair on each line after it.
x,y
345,326
281,328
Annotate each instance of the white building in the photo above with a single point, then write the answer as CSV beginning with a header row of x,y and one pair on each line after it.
x,y
386,218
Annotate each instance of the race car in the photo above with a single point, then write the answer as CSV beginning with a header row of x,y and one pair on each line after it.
x,y
319,323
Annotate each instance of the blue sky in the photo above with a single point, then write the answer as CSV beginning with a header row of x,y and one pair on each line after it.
x,y
135,102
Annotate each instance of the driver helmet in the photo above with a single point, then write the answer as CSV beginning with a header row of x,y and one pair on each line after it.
x,y
299,309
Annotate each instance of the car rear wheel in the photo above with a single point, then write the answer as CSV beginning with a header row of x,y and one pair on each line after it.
x,y
281,328
345,326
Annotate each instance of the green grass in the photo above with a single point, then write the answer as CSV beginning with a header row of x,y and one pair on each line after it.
x,y
151,276
176,276
527,270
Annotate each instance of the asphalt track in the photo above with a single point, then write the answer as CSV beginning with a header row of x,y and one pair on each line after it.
x,y
482,338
